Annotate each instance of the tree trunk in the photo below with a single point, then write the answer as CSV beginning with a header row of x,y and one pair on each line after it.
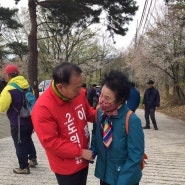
x,y
32,45
179,93
167,89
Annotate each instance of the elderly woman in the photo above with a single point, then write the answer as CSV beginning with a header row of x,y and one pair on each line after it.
x,y
119,154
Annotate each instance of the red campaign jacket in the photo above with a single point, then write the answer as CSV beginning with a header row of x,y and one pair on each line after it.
x,y
62,130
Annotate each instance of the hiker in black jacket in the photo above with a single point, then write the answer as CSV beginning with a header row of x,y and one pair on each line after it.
x,y
151,101
92,97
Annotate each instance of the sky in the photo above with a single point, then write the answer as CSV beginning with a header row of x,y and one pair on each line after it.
x,y
122,42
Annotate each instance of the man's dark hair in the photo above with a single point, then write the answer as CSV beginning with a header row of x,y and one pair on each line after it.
x,y
13,75
84,85
132,84
63,72
150,82
94,85
117,82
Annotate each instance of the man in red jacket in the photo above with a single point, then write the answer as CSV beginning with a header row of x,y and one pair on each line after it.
x,y
60,118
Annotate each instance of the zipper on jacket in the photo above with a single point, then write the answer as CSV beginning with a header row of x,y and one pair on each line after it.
x,y
105,166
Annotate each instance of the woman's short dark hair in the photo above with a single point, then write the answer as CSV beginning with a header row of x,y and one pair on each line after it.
x,y
63,72
117,82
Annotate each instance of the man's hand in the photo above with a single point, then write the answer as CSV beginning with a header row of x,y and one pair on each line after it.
x,y
87,154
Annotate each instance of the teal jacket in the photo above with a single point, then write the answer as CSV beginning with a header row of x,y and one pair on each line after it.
x,y
121,163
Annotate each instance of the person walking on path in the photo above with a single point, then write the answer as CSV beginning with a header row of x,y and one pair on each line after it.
x,y
119,156
60,119
134,98
92,97
84,88
11,100
151,102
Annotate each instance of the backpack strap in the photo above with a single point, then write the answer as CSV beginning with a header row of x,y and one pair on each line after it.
x,y
19,125
126,128
16,86
20,89
127,120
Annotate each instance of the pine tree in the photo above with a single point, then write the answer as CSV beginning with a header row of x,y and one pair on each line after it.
x,y
7,20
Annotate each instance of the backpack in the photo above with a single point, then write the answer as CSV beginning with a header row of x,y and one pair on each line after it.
x,y
126,128
28,101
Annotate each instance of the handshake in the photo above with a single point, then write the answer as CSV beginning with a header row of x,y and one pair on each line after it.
x,y
88,155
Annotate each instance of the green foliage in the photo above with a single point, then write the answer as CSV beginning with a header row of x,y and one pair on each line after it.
x,y
17,48
3,53
141,100
7,18
69,14
118,13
